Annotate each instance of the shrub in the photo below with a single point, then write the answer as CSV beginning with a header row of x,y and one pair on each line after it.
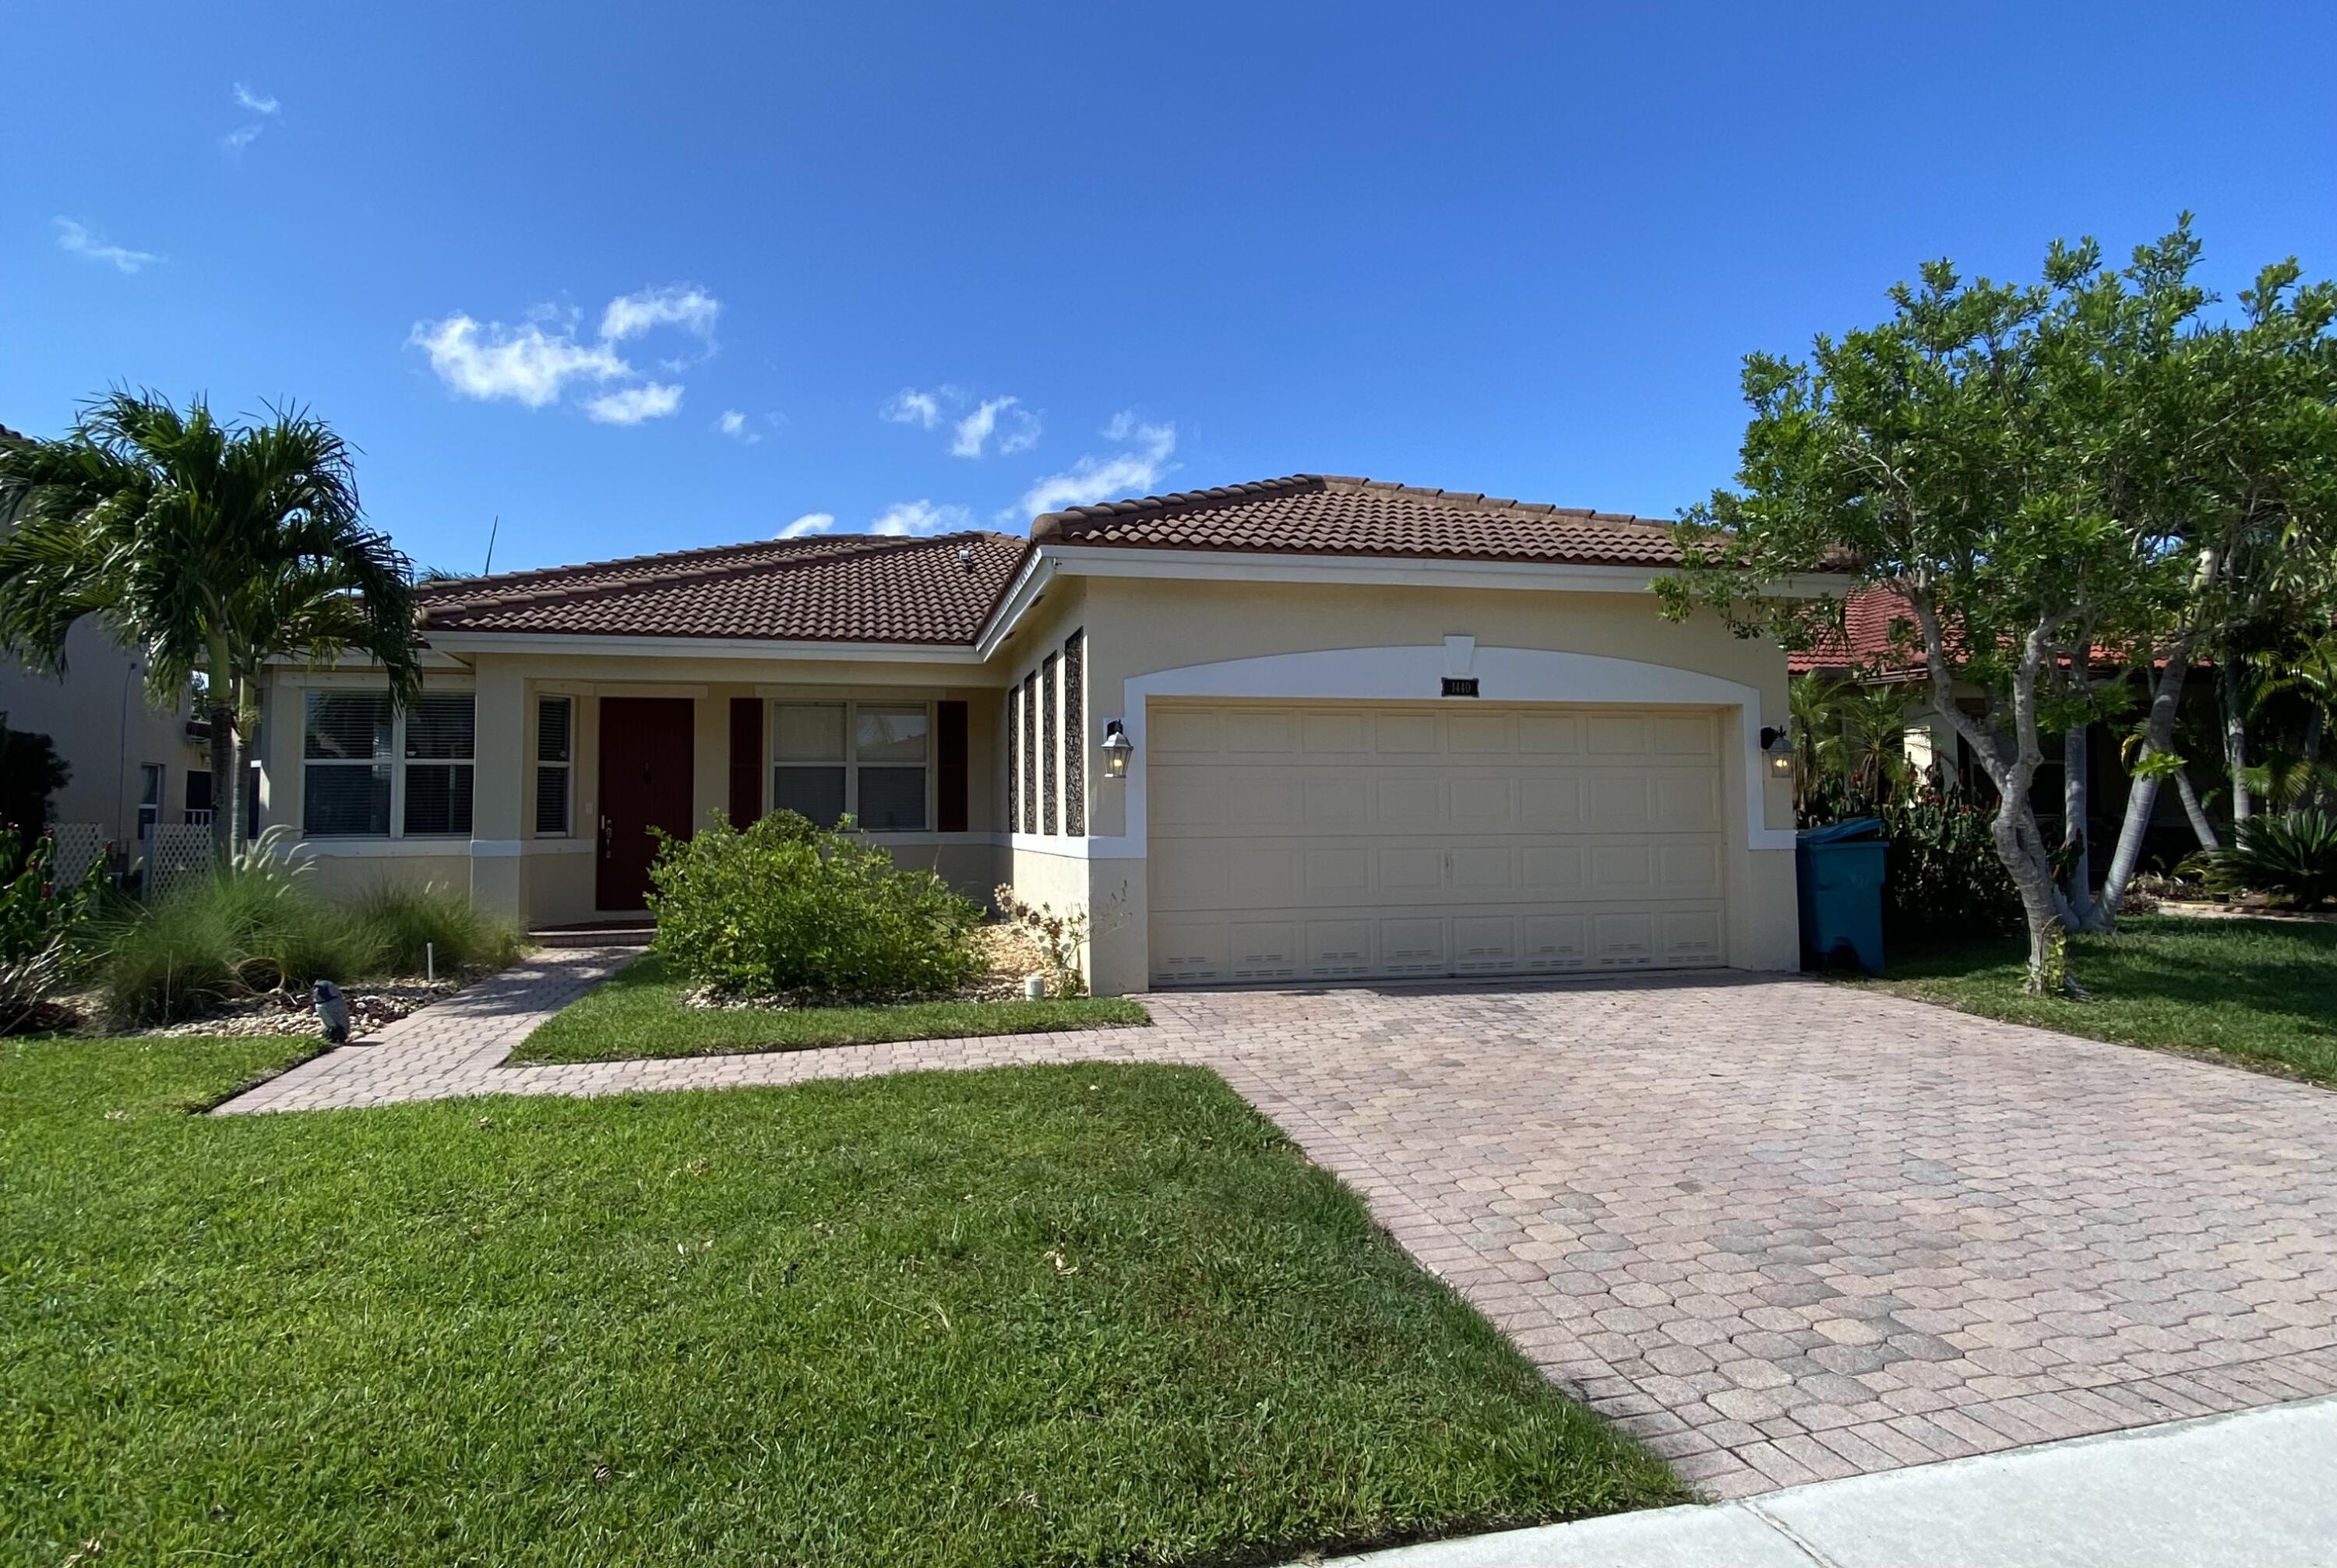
x,y
258,927
40,925
783,908
2291,858
407,920
1942,875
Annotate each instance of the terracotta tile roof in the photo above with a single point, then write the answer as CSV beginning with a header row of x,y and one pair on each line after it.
x,y
843,588
1867,619
1328,514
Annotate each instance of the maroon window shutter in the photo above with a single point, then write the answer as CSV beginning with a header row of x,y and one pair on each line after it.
x,y
746,761
950,767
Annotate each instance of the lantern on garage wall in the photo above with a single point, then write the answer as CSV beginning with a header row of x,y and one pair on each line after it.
x,y
1117,750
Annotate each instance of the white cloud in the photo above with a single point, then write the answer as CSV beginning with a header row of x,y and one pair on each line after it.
x,y
733,424
976,429
241,137
692,309
525,364
911,406
631,405
1133,472
910,517
809,523
258,104
537,363
77,238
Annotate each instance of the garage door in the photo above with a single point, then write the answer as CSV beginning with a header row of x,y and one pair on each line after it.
x,y
1326,841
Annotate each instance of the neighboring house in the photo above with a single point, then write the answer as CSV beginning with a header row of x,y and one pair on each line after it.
x,y
1372,732
132,766
1868,653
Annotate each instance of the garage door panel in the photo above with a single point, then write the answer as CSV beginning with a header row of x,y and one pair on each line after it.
x,y
1549,734
1322,841
1405,734
1334,734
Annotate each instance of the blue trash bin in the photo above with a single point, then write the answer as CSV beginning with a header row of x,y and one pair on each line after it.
x,y
1838,877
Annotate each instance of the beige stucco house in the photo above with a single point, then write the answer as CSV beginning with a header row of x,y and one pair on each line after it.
x,y
134,766
1372,731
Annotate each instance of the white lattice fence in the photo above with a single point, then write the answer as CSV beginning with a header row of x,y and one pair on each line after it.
x,y
177,853
79,843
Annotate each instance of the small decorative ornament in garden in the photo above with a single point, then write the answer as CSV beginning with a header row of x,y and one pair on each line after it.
x,y
333,1012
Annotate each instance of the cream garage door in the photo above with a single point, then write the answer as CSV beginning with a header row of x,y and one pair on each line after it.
x,y
1322,841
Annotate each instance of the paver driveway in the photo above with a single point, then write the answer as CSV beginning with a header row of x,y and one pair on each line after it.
x,y
1779,1230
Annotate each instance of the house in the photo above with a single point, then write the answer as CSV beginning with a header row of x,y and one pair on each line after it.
x,y
1367,731
1872,649
133,767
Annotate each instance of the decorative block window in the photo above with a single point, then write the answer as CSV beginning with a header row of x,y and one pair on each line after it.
x,y
1030,752
555,764
1013,757
1075,733
868,761
1049,743
368,771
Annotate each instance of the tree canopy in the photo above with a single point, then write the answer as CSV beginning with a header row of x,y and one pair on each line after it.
x,y
2062,483
215,547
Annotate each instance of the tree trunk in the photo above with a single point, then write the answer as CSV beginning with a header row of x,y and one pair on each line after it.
x,y
239,831
223,766
2235,738
2200,825
2142,796
2021,852
2076,781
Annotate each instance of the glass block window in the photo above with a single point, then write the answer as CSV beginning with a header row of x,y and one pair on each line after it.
x,y
1050,742
555,765
1075,734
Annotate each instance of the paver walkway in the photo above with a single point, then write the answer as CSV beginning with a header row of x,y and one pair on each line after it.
x,y
1781,1231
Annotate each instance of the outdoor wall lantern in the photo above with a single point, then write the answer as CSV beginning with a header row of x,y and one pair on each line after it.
x,y
1779,744
1117,750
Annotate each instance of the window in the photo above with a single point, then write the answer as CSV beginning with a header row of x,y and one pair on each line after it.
x,y
1048,745
1014,759
440,732
1030,752
1075,731
366,767
344,765
555,757
149,799
867,761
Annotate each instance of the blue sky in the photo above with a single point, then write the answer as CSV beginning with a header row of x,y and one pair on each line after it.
x,y
534,260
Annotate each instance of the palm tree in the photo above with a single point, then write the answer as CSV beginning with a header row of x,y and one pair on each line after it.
x,y
216,548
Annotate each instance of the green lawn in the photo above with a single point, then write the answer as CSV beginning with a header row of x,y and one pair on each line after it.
x,y
2259,992
638,1013
1081,1314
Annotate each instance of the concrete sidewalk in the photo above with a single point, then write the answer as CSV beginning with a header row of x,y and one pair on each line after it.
x,y
2224,1490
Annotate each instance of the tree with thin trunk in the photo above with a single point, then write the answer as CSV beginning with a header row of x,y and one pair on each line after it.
x,y
216,548
2043,476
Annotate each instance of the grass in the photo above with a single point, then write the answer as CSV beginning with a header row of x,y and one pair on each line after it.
x,y
2258,992
638,1013
1082,1315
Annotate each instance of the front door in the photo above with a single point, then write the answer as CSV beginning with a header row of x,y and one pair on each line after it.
x,y
645,783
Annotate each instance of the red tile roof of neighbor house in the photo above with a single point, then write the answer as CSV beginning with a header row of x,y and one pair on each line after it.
x,y
865,588
1329,515
1867,619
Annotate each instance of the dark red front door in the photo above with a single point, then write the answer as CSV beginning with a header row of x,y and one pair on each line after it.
x,y
645,783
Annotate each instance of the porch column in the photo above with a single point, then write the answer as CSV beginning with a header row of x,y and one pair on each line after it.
x,y
498,787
